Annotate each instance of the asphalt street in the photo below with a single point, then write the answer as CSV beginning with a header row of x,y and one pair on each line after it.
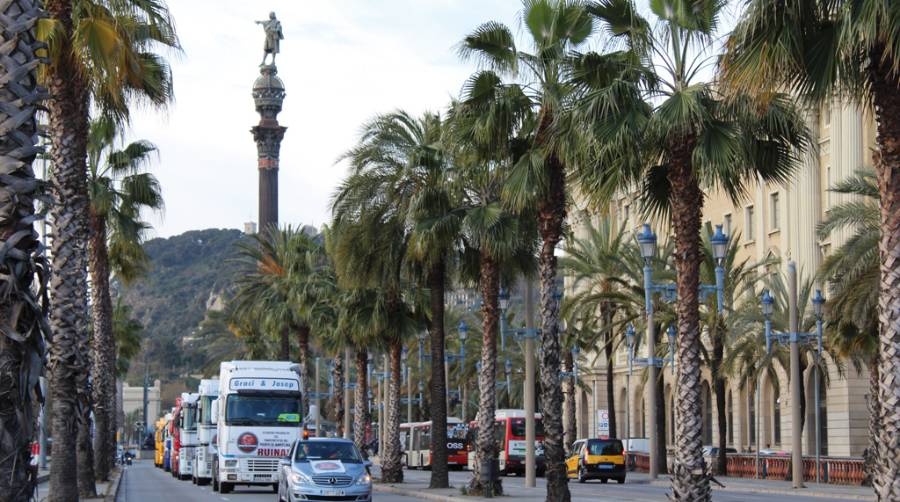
x,y
145,483
631,491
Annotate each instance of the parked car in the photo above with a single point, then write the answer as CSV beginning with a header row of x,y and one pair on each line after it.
x,y
324,469
713,451
602,459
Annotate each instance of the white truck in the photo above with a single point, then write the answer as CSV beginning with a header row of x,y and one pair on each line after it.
x,y
258,417
187,435
206,432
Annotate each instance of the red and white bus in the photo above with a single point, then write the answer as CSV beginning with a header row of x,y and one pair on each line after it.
x,y
509,427
416,441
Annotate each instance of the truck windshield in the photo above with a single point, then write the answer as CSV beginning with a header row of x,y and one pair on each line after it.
x,y
189,424
205,410
262,410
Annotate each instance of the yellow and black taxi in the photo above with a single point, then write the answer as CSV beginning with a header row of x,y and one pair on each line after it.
x,y
602,459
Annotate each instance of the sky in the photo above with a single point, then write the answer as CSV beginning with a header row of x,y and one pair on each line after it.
x,y
342,61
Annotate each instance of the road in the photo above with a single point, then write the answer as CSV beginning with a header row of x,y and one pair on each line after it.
x,y
145,483
631,491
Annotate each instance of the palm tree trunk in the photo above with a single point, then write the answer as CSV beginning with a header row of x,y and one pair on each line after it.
x,y
610,370
551,215
303,356
361,399
68,359
104,350
886,98
337,399
870,455
391,466
486,447
20,359
719,389
439,475
85,456
689,477
569,425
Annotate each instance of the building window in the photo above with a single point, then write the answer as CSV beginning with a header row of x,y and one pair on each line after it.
x,y
749,223
730,419
751,419
727,224
776,419
707,414
823,415
774,210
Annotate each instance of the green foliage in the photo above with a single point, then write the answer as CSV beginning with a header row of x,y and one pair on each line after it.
x,y
185,272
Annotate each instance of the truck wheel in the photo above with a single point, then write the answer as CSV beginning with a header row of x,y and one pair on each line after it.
x,y
274,487
215,477
225,487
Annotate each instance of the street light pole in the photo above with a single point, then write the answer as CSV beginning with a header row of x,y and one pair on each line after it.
x,y
796,417
347,421
647,242
818,303
463,334
318,402
529,388
629,343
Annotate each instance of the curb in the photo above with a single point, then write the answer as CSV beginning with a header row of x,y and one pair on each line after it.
x,y
780,491
112,493
433,497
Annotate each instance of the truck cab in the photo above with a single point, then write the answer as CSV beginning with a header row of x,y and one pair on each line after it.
x,y
186,435
206,432
258,417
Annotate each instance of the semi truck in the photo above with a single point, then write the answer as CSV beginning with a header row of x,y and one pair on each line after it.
x,y
258,417
206,432
185,436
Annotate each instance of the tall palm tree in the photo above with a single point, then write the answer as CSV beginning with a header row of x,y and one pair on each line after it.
x,y
848,48
852,272
118,192
83,71
395,183
694,138
23,268
489,129
557,78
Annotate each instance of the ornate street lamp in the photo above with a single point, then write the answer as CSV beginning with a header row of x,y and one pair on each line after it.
x,y
647,241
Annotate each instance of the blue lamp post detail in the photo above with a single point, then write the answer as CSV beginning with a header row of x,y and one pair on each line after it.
x,y
503,298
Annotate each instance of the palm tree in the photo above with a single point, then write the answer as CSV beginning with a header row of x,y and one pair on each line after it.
x,y
852,272
81,72
118,192
851,49
489,127
556,77
24,271
395,184
694,138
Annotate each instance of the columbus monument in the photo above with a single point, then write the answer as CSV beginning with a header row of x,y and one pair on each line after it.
x,y
268,96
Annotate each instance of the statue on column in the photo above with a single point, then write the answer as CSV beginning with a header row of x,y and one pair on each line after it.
x,y
274,36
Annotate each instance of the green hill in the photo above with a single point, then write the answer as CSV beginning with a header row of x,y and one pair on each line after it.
x,y
187,273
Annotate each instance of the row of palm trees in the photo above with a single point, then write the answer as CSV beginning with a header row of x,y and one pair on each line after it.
x,y
73,60
479,193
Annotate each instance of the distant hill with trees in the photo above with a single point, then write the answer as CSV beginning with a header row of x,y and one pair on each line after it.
x,y
187,274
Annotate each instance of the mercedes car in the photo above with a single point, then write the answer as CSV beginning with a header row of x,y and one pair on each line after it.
x,y
325,469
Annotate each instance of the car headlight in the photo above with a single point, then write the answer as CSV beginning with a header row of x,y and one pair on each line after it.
x,y
365,479
298,478
231,463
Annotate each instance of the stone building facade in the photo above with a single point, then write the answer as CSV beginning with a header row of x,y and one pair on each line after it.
x,y
773,222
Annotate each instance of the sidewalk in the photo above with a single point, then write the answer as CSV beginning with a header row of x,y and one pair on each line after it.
x,y
812,489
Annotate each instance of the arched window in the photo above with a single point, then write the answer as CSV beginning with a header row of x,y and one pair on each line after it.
x,y
707,414
643,417
823,416
751,418
672,420
776,418
729,421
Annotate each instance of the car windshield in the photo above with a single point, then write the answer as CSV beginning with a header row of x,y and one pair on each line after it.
x,y
262,410
327,450
517,427
604,447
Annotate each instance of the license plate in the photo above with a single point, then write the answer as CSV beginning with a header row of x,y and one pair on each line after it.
x,y
604,466
333,493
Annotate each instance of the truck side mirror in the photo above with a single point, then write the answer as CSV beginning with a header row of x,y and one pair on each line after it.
x,y
214,411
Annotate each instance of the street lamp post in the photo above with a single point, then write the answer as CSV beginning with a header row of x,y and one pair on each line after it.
x,y
507,369
504,304
794,338
463,334
647,243
629,343
409,400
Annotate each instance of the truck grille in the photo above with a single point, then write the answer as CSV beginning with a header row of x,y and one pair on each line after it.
x,y
338,480
256,465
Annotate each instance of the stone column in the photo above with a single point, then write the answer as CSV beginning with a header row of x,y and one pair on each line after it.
x,y
268,96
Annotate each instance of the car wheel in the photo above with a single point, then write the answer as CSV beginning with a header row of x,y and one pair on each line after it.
x,y
274,487
225,487
604,480
581,475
